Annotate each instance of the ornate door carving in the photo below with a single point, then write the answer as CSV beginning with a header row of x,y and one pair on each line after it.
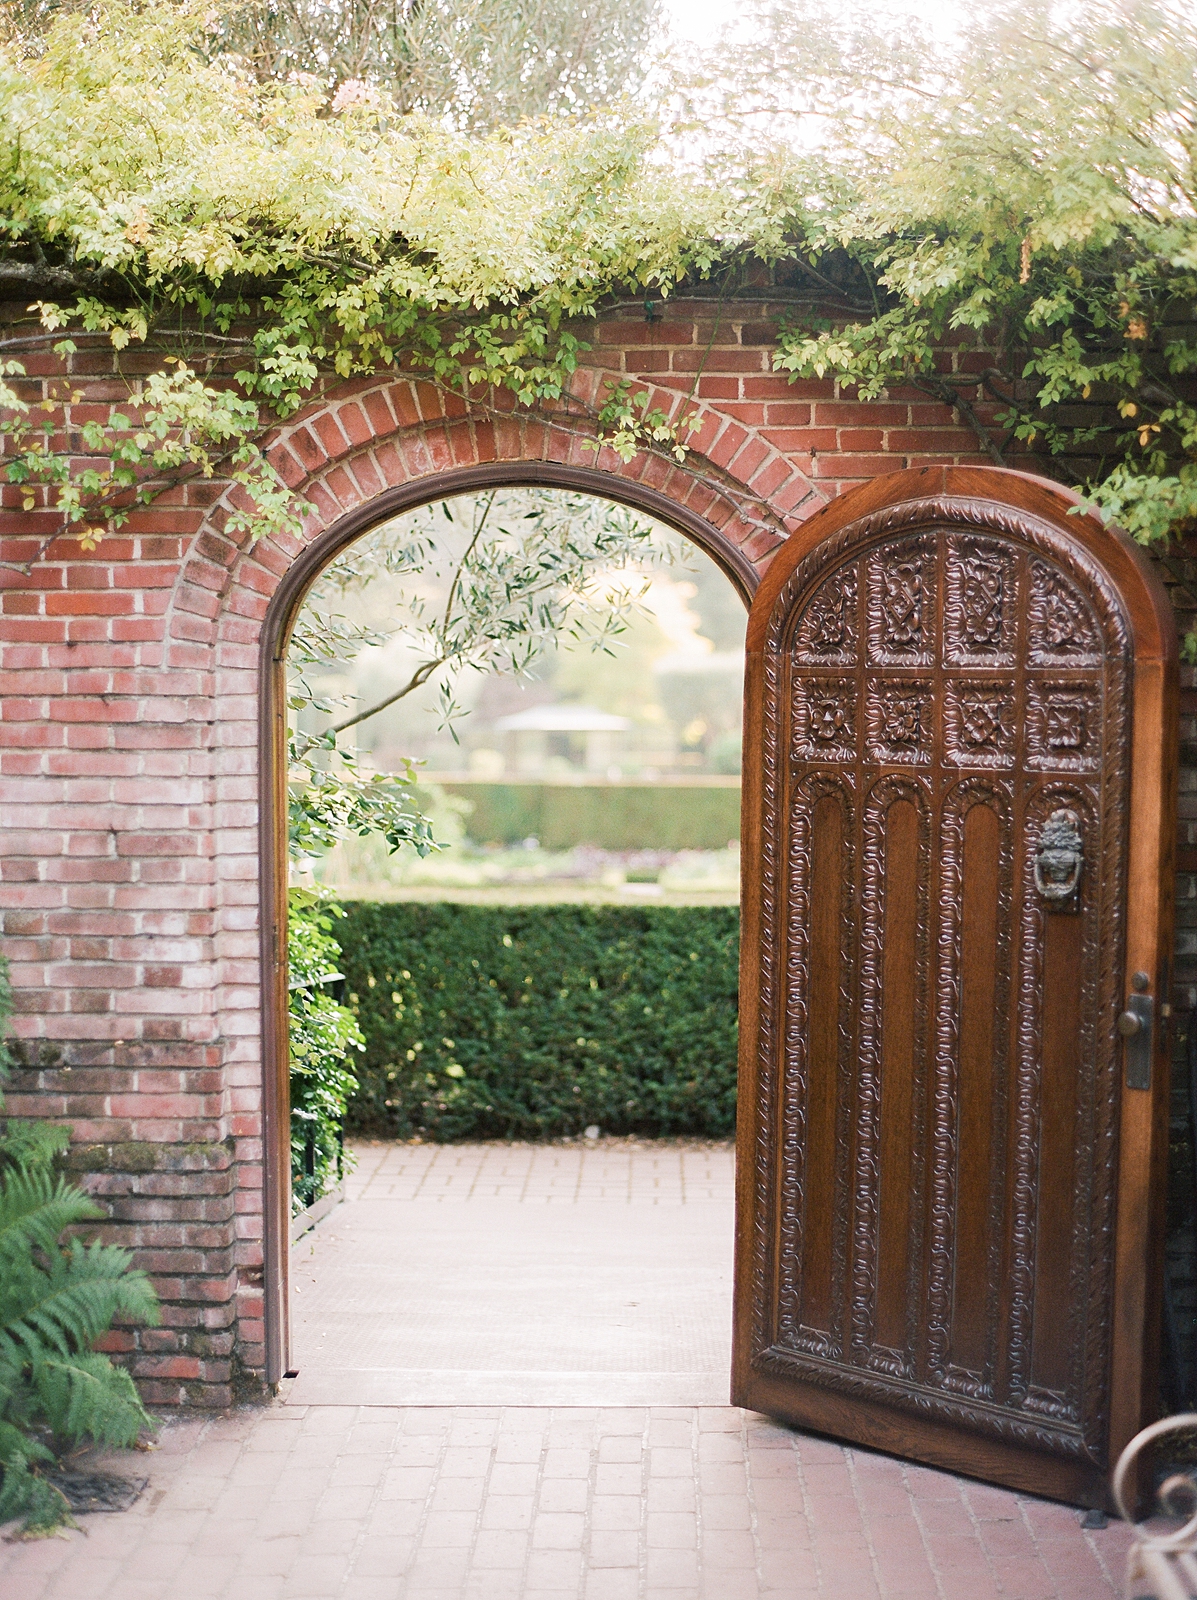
x,y
958,808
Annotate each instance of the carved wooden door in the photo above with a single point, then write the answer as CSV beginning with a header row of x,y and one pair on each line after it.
x,y
958,805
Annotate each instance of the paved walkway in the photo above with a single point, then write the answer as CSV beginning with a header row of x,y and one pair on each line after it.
x,y
376,1503
584,1274
545,1273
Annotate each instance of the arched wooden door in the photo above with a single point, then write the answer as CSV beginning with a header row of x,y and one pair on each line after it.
x,y
959,803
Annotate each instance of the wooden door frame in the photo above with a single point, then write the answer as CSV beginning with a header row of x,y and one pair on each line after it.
x,y
1143,1121
272,794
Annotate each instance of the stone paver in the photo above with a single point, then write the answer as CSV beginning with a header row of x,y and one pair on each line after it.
x,y
593,1273
635,1171
376,1503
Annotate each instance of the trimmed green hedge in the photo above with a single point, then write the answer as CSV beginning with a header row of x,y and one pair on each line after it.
x,y
532,1022
612,816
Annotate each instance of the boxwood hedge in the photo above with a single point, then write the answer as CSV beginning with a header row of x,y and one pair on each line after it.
x,y
532,1022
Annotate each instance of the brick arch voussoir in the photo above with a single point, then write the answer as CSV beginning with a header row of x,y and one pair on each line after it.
x,y
373,435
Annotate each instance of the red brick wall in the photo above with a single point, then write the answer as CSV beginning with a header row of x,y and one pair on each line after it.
x,y
129,746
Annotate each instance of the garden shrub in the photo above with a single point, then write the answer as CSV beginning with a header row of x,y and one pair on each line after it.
x,y
56,1299
533,1022
322,1034
611,816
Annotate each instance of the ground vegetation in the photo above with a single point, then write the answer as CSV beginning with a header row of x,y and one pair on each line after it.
x,y
324,1040
58,1296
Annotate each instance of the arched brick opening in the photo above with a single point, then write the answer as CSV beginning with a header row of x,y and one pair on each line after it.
x,y
368,455
279,619
131,755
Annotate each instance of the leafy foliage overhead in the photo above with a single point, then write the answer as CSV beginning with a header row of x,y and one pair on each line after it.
x,y
479,63
1022,193
1026,189
152,189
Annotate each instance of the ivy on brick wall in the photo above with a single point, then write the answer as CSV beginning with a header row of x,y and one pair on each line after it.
x,y
1002,215
1023,191
1004,219
156,192
533,1022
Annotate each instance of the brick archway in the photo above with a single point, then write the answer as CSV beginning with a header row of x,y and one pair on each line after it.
x,y
132,759
719,544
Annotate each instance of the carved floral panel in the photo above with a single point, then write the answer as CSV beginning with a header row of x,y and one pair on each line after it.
x,y
900,720
902,584
827,632
981,605
825,712
1064,732
980,726
1063,629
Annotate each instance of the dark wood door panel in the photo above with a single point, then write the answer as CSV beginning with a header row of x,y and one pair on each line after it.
x,y
938,813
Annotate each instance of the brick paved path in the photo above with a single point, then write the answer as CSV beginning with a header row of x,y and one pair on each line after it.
x,y
373,1503
621,1171
303,1501
589,1274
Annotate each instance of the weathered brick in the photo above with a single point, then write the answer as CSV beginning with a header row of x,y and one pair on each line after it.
x,y
129,875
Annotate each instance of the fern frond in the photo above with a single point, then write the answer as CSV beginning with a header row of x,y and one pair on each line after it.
x,y
35,1208
70,1304
32,1144
16,1445
85,1395
39,1504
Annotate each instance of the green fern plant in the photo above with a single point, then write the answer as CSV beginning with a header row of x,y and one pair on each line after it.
x,y
56,1299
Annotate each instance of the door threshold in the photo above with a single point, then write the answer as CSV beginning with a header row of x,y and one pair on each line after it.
x,y
415,1386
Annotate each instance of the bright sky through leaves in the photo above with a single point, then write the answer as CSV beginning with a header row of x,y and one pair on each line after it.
x,y
701,20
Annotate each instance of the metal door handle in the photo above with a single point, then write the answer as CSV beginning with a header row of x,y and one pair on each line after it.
x,y
1136,1025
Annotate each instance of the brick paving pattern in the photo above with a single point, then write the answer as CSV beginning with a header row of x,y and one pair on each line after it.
x,y
640,1172
594,1273
371,1503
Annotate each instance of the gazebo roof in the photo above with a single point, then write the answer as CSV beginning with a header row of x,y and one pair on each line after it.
x,y
562,719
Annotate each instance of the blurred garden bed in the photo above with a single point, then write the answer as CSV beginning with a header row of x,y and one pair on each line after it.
x,y
528,874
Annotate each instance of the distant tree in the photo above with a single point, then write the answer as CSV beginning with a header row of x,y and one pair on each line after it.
x,y
478,64
1027,186
481,63
488,582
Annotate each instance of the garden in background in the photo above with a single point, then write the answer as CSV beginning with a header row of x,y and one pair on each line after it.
x,y
515,832
537,1022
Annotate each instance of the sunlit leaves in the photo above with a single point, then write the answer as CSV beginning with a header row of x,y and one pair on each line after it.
x,y
273,230
1028,188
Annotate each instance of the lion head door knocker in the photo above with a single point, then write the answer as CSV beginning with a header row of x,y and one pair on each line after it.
x,y
1060,856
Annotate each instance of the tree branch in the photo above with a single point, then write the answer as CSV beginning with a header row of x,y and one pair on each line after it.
x,y
419,677
950,397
